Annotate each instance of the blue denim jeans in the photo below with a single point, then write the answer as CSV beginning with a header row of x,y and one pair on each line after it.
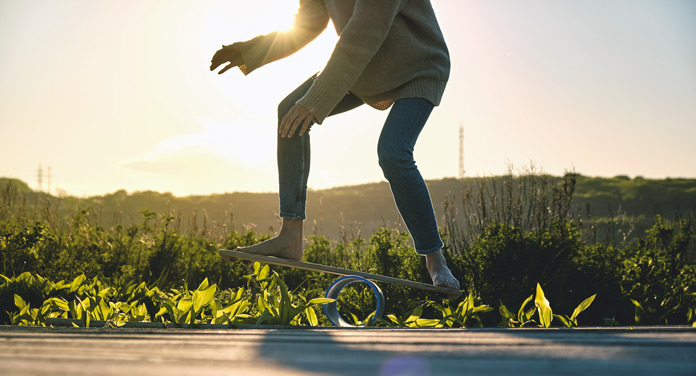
x,y
395,150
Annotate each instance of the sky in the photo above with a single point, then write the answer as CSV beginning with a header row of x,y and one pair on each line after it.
x,y
118,95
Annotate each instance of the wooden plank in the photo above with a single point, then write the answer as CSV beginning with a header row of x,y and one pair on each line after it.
x,y
230,254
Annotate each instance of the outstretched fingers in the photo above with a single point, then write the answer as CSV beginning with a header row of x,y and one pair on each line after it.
x,y
226,68
227,54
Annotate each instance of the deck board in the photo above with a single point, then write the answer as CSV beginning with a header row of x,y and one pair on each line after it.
x,y
232,254
347,352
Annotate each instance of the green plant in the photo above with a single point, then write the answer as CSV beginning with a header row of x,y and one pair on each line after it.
x,y
691,316
235,313
543,307
545,315
572,321
185,308
366,322
26,316
523,318
466,315
414,320
659,273
277,306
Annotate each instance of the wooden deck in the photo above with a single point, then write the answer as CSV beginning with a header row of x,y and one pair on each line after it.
x,y
335,351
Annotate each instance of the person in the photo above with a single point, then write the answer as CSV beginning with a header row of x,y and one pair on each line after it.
x,y
390,54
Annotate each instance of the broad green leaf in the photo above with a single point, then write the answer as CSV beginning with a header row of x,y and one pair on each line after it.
x,y
77,282
394,319
184,307
273,311
528,315
24,310
162,311
171,309
356,321
222,318
203,297
321,301
583,306
264,317
470,306
104,307
415,314
261,303
117,306
73,310
504,311
508,318
424,323
639,313
293,315
566,322
244,306
369,318
203,285
230,309
521,317
45,309
238,296
481,309
545,312
285,302
311,316
215,308
263,274
109,291
19,302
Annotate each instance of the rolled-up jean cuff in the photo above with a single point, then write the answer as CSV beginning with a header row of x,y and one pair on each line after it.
x,y
429,251
292,216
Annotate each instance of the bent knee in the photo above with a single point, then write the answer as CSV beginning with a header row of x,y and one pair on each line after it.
x,y
394,162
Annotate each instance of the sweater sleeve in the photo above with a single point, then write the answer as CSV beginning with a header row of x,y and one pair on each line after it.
x,y
359,41
311,19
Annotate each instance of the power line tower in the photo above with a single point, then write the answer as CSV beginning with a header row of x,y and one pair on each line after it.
x,y
49,180
39,175
461,151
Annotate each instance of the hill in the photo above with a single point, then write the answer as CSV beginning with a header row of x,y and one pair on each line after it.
x,y
353,211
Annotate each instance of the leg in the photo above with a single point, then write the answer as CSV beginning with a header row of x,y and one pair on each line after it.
x,y
395,149
293,172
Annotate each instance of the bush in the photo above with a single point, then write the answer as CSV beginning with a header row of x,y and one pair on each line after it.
x,y
659,273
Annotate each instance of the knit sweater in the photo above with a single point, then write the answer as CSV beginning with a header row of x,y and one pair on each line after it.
x,y
387,50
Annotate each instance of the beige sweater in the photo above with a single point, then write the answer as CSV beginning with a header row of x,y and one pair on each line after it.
x,y
387,50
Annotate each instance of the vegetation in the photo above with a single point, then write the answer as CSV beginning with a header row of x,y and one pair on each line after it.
x,y
506,237
344,213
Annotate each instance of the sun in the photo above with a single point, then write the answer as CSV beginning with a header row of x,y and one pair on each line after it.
x,y
227,21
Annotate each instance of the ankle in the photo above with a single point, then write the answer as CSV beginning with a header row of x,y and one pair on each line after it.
x,y
291,227
435,257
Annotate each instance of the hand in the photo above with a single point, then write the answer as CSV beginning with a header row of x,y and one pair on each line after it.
x,y
297,117
227,54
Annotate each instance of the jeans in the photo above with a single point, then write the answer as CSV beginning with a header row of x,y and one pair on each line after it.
x,y
404,123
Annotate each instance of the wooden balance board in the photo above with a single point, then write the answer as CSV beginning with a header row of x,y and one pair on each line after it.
x,y
231,254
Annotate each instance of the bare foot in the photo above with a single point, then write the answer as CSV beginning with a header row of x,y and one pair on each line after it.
x,y
287,244
439,272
